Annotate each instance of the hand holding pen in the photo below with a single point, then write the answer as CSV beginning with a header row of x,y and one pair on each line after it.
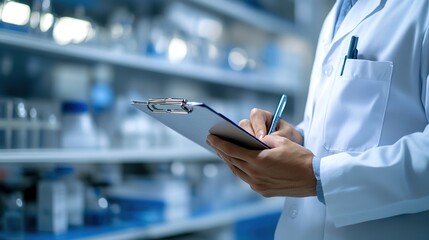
x,y
261,121
278,113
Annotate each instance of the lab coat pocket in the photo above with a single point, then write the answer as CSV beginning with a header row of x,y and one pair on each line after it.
x,y
356,106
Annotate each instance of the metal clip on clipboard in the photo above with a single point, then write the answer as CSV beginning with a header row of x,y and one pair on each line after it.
x,y
169,105
195,120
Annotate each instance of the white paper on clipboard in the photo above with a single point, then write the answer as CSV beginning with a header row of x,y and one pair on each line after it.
x,y
196,121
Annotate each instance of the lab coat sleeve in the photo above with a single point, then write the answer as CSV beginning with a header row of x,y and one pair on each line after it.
x,y
380,183
384,181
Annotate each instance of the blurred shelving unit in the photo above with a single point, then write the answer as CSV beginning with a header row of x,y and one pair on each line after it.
x,y
137,62
262,83
204,222
138,230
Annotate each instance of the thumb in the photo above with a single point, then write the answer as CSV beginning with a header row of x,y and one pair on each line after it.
x,y
274,141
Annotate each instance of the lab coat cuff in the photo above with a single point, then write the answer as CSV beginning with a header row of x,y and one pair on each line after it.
x,y
301,131
319,188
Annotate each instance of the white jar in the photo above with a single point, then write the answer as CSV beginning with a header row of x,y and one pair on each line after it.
x,y
52,205
78,129
75,194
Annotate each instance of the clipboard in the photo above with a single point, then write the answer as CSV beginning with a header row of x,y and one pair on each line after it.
x,y
196,121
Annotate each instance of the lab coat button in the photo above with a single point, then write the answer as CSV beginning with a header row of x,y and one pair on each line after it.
x,y
293,213
327,70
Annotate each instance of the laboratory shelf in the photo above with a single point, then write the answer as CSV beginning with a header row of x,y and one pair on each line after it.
x,y
140,230
251,81
146,155
252,16
199,223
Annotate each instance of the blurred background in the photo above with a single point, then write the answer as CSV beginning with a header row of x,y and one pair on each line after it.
x,y
77,161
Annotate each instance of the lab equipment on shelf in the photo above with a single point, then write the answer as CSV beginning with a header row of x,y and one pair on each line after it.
x,y
75,192
5,115
152,201
97,212
52,204
181,33
78,129
19,116
13,216
42,19
28,123
180,45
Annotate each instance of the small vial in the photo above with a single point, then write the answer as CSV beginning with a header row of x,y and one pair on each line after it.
x,y
19,131
75,194
6,111
50,130
52,205
14,217
34,129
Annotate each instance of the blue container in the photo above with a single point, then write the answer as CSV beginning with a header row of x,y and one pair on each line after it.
x,y
259,228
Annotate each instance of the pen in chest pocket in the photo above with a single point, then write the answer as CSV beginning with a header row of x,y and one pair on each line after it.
x,y
352,53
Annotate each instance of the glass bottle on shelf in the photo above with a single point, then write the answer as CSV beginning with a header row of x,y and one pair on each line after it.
x,y
50,126
121,28
75,194
34,129
102,100
14,216
96,206
52,205
6,109
20,126
78,128
42,19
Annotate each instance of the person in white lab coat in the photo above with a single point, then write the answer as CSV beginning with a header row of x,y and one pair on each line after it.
x,y
357,166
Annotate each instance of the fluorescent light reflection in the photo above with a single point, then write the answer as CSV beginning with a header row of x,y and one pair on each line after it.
x,y
102,202
71,30
46,22
16,13
210,170
237,59
177,50
213,52
210,29
34,19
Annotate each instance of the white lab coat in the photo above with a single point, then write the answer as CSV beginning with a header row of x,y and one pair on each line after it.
x,y
369,127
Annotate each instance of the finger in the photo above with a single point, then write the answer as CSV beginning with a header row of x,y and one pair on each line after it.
x,y
285,129
229,149
238,163
281,125
239,173
246,125
274,141
260,119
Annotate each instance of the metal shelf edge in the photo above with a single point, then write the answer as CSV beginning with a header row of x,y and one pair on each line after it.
x,y
218,219
254,81
146,155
